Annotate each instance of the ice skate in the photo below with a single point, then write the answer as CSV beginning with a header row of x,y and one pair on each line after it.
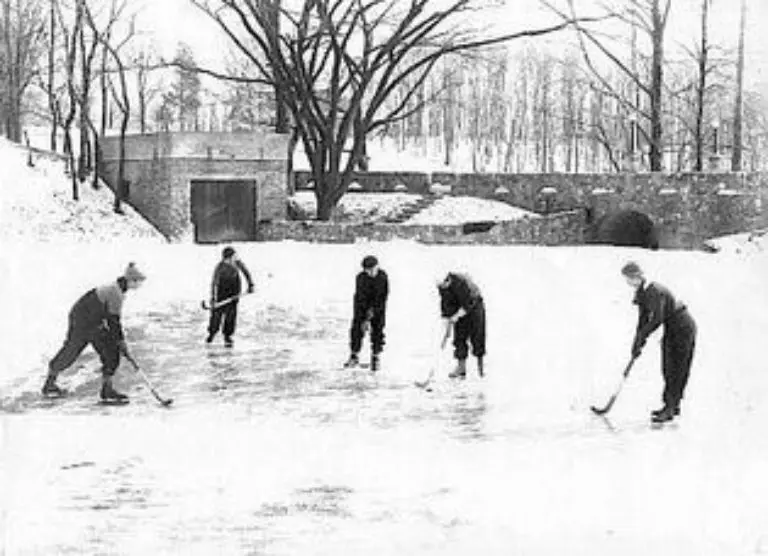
x,y
460,371
352,362
51,389
110,395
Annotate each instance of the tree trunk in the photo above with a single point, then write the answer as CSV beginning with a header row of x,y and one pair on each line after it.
x,y
448,117
737,152
701,90
51,89
657,82
120,190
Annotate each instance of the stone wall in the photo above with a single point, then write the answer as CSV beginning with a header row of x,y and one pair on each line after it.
x,y
160,166
689,208
375,182
561,229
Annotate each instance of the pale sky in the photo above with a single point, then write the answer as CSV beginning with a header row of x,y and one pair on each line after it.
x,y
172,21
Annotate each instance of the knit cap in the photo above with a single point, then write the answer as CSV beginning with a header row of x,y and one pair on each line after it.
x,y
133,273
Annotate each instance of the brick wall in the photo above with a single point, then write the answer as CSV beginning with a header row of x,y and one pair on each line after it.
x,y
160,166
559,229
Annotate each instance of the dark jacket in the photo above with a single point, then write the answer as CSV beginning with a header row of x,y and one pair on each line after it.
x,y
460,292
371,292
226,279
656,306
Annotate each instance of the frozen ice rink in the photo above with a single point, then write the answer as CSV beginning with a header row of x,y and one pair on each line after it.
x,y
271,448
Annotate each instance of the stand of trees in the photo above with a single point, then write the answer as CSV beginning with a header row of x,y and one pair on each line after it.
x,y
338,73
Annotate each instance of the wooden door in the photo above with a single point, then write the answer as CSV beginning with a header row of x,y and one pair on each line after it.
x,y
223,210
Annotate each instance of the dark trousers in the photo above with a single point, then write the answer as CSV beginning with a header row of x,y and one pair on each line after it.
x,y
470,329
677,347
78,337
228,314
356,331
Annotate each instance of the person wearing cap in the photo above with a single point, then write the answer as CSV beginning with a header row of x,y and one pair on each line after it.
x,y
658,307
95,319
369,312
226,284
463,311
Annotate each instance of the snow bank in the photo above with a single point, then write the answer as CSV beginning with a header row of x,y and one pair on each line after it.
x,y
359,207
457,210
377,207
36,205
737,244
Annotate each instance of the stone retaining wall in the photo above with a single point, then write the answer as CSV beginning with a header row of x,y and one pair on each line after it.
x,y
561,229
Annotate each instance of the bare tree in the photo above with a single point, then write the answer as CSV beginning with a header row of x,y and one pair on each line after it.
x,y
650,17
22,42
738,110
70,44
50,86
339,61
146,90
120,95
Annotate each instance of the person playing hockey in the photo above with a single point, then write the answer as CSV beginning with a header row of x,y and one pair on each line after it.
x,y
463,309
226,285
656,307
95,319
369,312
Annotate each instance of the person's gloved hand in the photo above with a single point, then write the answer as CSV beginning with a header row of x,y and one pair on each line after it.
x,y
250,288
637,349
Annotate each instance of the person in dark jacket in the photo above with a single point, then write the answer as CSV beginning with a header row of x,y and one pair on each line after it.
x,y
369,312
658,307
226,285
95,319
463,309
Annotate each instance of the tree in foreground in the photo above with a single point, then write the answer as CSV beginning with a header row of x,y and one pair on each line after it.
x,y
337,62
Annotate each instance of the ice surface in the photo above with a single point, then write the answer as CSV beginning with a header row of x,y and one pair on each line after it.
x,y
271,448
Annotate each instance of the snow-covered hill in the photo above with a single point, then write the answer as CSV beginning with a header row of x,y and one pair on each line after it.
x,y
36,205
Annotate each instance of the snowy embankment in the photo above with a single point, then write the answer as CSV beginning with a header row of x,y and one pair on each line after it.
x,y
746,243
378,207
36,205
358,207
457,210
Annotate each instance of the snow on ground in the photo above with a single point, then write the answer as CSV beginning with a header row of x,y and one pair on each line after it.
x,y
272,448
36,204
751,242
454,210
368,207
359,207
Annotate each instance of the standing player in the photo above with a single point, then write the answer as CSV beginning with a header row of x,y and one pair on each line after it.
x,y
226,285
369,312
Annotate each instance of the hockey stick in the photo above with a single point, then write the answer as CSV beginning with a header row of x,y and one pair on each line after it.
x,y
425,383
612,400
164,402
208,307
